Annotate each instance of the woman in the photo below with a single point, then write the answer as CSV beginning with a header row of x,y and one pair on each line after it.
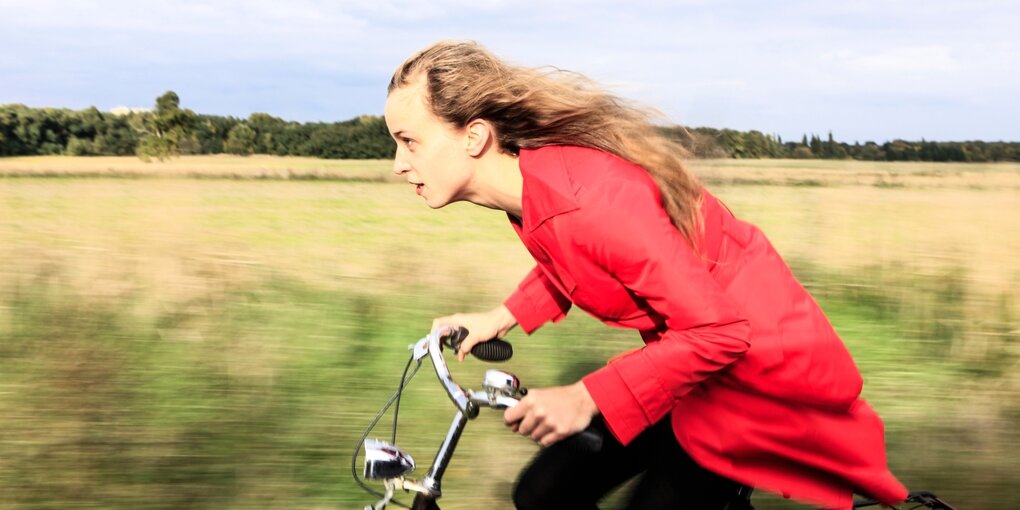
x,y
742,380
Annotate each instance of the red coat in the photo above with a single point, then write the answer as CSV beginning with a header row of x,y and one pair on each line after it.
x,y
759,387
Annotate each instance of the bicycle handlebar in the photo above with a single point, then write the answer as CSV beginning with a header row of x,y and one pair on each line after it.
x,y
468,402
502,391
432,345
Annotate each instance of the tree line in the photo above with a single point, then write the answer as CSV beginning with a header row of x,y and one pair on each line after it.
x,y
704,142
170,130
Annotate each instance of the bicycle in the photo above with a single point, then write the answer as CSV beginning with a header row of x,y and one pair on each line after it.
x,y
389,464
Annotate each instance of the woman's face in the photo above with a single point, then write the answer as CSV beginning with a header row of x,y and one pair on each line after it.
x,y
431,154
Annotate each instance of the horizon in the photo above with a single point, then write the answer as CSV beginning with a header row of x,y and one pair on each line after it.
x,y
121,110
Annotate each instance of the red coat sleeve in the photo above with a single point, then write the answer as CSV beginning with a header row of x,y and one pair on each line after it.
x,y
625,231
536,301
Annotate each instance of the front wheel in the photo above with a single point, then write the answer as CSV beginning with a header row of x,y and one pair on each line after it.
x,y
424,502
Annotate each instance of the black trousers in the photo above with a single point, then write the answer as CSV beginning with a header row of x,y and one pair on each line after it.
x,y
564,477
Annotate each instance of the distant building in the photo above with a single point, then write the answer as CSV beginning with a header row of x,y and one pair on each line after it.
x,y
124,110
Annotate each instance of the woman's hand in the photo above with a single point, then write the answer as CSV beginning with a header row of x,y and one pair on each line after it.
x,y
551,414
481,326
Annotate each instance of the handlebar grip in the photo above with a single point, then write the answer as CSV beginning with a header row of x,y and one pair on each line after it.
x,y
493,350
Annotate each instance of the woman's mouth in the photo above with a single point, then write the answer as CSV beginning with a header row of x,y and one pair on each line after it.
x,y
418,187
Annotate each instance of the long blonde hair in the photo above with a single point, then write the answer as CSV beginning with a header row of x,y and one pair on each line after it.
x,y
532,108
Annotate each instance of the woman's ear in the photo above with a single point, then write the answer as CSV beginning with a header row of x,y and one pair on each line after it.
x,y
480,136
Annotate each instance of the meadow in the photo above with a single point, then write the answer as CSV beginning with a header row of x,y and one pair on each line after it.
x,y
216,332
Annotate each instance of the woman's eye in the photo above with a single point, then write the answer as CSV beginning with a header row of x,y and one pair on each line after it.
x,y
407,141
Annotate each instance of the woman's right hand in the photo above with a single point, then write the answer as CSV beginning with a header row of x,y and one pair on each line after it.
x,y
481,327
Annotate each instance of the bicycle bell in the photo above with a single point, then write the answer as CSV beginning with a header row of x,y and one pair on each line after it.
x,y
383,460
500,383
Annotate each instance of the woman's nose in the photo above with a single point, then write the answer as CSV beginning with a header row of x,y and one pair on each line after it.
x,y
399,165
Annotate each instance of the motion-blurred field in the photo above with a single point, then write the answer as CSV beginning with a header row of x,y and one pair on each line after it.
x,y
216,332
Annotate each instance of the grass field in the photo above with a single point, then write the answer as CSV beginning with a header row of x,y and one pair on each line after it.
x,y
215,332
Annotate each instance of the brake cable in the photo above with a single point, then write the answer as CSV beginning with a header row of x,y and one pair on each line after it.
x,y
404,379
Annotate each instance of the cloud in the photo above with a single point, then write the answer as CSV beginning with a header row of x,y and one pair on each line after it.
x,y
727,63
917,59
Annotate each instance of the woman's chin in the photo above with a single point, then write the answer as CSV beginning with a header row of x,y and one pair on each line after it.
x,y
437,203
433,203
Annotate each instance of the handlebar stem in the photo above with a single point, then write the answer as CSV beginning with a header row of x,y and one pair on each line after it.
x,y
433,478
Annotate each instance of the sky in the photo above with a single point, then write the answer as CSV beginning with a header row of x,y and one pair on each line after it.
x,y
862,69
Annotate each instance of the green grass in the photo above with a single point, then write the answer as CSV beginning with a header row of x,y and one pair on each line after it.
x,y
255,394
220,343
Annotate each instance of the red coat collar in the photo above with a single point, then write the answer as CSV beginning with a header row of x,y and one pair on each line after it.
x,y
548,190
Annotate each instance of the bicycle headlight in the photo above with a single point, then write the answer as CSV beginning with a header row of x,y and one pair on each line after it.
x,y
383,460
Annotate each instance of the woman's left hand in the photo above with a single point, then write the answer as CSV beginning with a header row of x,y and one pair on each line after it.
x,y
551,414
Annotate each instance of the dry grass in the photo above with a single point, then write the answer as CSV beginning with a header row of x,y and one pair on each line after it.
x,y
938,216
173,237
810,173
213,166
883,174
927,230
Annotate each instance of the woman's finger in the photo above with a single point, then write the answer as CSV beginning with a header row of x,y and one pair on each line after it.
x,y
457,319
481,327
541,430
527,425
440,322
465,347
523,415
513,415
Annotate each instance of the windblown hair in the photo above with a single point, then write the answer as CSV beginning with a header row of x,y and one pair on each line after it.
x,y
532,108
